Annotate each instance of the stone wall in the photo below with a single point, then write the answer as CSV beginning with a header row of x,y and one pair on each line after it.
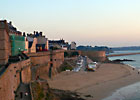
x,y
39,58
12,77
95,55
5,46
26,73
42,61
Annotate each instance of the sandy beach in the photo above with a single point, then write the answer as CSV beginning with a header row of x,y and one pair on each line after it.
x,y
99,84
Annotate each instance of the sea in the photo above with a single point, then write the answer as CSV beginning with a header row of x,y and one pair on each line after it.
x,y
130,92
136,58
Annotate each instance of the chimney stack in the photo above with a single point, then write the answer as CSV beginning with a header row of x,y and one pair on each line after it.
x,y
10,23
40,33
24,34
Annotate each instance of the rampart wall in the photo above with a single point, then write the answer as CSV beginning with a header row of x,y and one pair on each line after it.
x,y
95,55
43,60
5,47
12,77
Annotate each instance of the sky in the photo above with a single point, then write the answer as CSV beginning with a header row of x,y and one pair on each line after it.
x,y
111,23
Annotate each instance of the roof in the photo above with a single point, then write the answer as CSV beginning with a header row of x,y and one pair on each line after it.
x,y
13,29
57,41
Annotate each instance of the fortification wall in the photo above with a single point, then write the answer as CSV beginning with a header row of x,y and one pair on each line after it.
x,y
58,59
12,77
95,55
5,47
43,60
39,58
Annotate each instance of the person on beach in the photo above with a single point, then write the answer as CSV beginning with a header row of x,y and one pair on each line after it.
x,y
26,94
133,68
21,95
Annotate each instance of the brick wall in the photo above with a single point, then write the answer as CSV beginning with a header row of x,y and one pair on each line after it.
x,y
95,55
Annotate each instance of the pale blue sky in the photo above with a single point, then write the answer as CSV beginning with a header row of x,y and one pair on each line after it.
x,y
88,22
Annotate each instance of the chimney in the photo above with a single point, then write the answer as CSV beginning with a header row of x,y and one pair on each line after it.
x,y
37,34
40,33
34,32
10,23
24,34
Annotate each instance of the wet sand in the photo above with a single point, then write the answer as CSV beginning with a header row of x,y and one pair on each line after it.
x,y
97,85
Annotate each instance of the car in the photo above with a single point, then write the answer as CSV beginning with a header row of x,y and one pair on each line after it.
x,y
91,66
77,69
79,62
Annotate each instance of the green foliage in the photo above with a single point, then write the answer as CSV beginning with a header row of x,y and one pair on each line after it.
x,y
65,66
71,54
37,91
40,95
54,48
74,53
49,96
66,54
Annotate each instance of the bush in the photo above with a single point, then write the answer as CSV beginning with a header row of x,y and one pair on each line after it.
x,y
37,91
65,66
71,54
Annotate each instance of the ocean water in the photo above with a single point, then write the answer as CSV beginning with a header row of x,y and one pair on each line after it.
x,y
135,63
130,92
122,52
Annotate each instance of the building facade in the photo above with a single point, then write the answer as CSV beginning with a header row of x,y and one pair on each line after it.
x,y
73,46
58,44
5,46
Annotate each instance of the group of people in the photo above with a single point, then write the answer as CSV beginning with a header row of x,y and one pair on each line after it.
x,y
21,95
138,70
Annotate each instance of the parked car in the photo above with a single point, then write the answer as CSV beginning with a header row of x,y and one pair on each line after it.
x,y
92,66
77,69
79,62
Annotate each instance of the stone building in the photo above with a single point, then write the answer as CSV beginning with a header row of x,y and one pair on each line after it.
x,y
58,44
12,42
37,42
5,46
13,30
